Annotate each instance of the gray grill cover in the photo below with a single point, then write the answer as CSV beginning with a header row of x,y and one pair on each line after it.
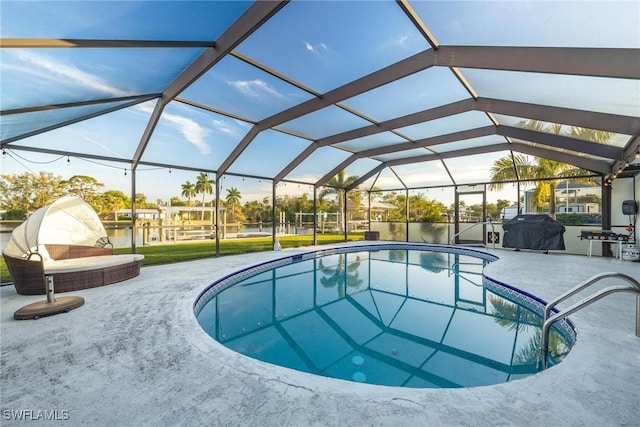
x,y
533,232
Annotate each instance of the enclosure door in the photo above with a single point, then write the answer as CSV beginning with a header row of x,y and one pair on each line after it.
x,y
470,209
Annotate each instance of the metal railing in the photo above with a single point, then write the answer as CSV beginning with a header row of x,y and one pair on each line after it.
x,y
633,287
493,232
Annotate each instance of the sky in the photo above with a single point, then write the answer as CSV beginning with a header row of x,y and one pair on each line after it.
x,y
322,45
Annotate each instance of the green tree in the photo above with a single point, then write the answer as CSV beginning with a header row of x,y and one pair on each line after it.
x,y
398,200
541,170
425,210
516,318
266,212
337,185
111,202
474,212
342,275
323,205
532,169
255,210
28,192
176,201
433,211
83,186
304,204
188,191
141,202
204,185
233,200
594,135
416,205
291,205
494,210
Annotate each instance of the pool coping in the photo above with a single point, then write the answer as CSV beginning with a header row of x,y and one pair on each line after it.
x,y
564,326
232,278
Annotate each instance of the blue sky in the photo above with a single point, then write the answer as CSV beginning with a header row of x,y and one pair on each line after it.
x,y
323,45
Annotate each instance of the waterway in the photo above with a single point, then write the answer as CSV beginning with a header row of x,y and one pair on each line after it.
x,y
120,236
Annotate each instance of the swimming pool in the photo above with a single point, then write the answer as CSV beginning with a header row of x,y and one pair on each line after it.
x,y
407,315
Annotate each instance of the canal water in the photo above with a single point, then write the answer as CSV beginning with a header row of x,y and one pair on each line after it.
x,y
121,236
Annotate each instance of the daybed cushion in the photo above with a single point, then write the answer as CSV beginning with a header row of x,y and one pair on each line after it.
x,y
88,263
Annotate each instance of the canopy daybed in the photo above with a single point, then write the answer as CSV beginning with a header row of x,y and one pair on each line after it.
x,y
66,241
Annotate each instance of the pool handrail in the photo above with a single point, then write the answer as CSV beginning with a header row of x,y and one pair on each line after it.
x,y
633,287
493,231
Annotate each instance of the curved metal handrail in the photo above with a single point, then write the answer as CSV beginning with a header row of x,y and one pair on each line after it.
x,y
585,284
549,320
493,230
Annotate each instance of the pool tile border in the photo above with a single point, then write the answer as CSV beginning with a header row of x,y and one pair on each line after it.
x,y
535,304
230,279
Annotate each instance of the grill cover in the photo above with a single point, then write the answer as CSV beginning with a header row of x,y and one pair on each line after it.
x,y
533,232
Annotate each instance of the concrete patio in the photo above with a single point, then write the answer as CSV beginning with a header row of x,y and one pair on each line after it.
x,y
134,355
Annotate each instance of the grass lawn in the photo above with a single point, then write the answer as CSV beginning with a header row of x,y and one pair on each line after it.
x,y
163,254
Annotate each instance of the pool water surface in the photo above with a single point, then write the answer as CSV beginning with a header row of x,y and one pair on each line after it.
x,y
398,317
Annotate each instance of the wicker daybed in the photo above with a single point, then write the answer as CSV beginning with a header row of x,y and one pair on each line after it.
x,y
86,261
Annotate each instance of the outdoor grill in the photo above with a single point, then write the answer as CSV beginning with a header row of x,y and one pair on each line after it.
x,y
539,232
602,235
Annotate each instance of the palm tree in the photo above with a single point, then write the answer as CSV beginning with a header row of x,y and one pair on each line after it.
x,y
514,317
341,276
415,206
433,261
535,168
539,169
188,191
336,185
204,185
233,199
600,136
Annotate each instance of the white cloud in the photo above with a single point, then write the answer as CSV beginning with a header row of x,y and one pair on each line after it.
x,y
227,128
52,69
318,48
191,130
242,125
255,88
405,42
402,40
22,68
99,144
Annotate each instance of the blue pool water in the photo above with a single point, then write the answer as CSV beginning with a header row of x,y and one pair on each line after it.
x,y
415,316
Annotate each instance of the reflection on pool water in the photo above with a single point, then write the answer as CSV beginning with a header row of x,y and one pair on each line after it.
x,y
395,316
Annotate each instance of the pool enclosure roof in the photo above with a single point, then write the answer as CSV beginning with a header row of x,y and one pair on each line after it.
x,y
403,94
